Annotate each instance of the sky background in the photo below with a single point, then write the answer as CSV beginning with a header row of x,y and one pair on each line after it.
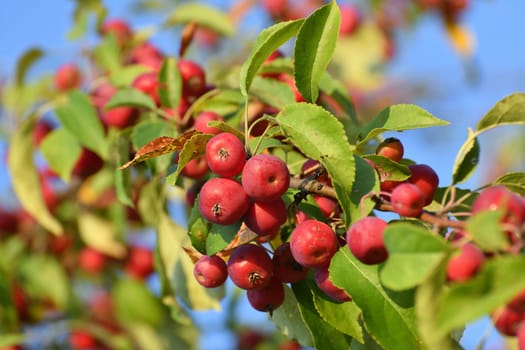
x,y
424,57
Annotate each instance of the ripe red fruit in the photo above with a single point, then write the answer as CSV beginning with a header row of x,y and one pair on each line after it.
x,y
67,77
275,8
119,28
267,298
248,339
250,267
307,169
265,218
507,320
8,221
465,264
119,117
350,19
91,260
146,54
87,164
285,268
407,200
322,279
521,335
365,240
139,262
501,198
329,207
80,339
265,177
201,122
289,344
223,201
391,148
148,83
518,302
210,271
196,168
313,243
193,78
288,79
424,177
225,154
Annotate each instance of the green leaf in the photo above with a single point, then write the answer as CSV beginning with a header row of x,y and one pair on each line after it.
x,y
509,110
132,98
123,176
12,339
287,318
413,253
198,229
497,282
45,276
272,92
25,62
193,148
107,54
397,118
388,169
220,236
100,234
170,83
135,304
485,228
342,316
324,336
125,76
466,160
61,151
428,296
79,117
513,181
204,15
314,47
388,315
367,182
25,178
79,27
320,136
267,42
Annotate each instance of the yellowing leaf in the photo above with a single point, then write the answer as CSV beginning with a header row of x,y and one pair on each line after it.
x,y
461,38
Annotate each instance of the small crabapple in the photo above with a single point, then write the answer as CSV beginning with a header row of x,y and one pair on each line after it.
x,y
222,201
250,267
225,154
391,148
465,263
285,268
210,271
267,298
407,200
313,243
265,177
424,177
365,240
67,77
202,119
322,279
266,217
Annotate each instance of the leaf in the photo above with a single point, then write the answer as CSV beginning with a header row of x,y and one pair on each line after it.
x,y
100,234
272,92
367,182
124,77
123,177
388,315
12,339
466,160
25,178
287,318
78,116
397,118
61,151
485,228
135,304
194,147
428,296
269,40
132,98
509,110
220,236
496,283
45,276
342,316
388,169
320,136
170,83
324,336
413,253
25,62
198,229
204,15
514,181
314,47
160,146
107,54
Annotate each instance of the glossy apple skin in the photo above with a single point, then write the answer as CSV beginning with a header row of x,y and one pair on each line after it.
x,y
250,267
426,179
464,265
365,240
223,201
225,154
67,77
322,279
407,200
285,267
210,271
202,119
266,217
313,243
265,177
267,298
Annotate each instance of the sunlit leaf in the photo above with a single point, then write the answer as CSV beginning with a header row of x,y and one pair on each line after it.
x,y
486,230
514,181
132,98
466,160
170,83
25,62
314,47
100,234
509,110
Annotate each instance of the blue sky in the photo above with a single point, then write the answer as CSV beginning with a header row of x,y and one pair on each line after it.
x,y
424,57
